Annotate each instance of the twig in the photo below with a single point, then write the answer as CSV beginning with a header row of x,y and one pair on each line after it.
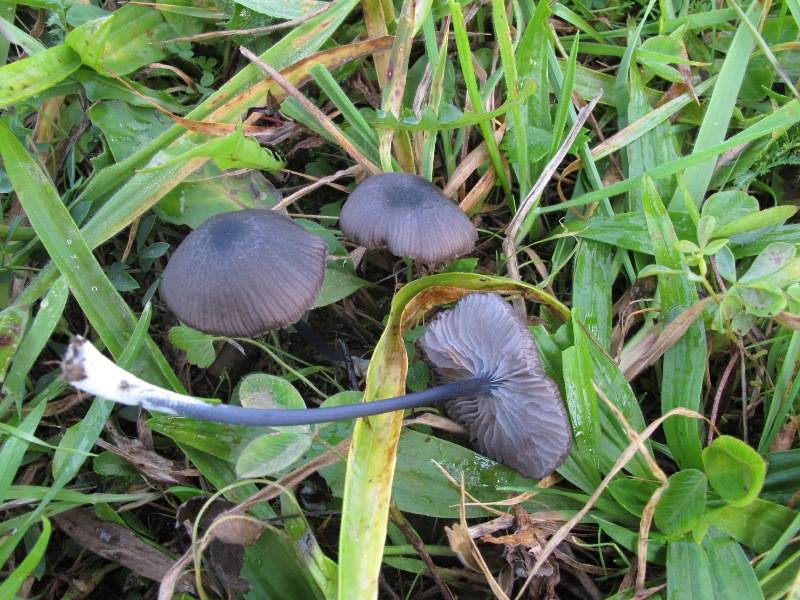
x,y
533,197
270,492
414,539
624,458
350,171
721,387
321,117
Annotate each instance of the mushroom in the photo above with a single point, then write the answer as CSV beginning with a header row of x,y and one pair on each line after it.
x,y
243,273
408,215
519,419
495,387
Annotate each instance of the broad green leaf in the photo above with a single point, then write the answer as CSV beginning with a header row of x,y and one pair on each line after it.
x,y
272,452
726,264
683,503
734,469
729,206
730,569
769,217
632,494
215,439
592,282
129,38
338,284
762,300
770,260
259,390
229,152
29,76
627,230
211,192
127,128
705,227
199,346
654,148
689,574
421,488
581,400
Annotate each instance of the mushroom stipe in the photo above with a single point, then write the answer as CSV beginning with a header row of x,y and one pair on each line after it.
x,y
494,386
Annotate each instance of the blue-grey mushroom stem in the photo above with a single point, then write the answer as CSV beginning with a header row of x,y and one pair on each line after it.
x,y
261,417
86,369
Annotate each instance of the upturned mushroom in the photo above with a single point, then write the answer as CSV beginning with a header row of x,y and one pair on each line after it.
x,y
243,273
519,419
495,386
408,215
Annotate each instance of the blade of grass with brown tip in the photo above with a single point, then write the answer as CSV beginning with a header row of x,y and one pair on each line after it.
x,y
145,189
465,60
245,89
509,61
394,89
322,118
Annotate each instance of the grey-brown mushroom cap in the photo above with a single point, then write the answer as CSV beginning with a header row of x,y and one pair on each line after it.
x,y
243,273
521,421
410,216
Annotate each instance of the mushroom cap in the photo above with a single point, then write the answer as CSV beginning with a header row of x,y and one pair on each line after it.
x,y
243,273
521,421
410,216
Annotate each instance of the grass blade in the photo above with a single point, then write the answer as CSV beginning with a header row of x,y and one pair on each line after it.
x,y
465,60
684,363
783,396
720,107
50,311
102,304
14,581
773,124
29,76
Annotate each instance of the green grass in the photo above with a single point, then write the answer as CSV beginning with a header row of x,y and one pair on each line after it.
x,y
681,188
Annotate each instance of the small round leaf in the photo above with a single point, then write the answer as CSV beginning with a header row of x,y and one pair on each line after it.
x,y
735,470
259,390
271,453
683,503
